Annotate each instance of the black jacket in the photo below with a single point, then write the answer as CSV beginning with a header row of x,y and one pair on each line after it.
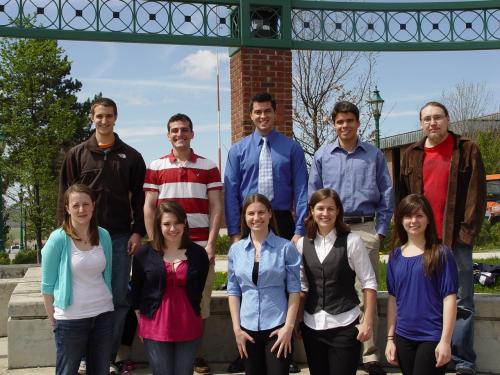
x,y
116,177
149,279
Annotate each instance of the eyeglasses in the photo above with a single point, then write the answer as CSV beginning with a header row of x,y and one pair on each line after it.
x,y
436,118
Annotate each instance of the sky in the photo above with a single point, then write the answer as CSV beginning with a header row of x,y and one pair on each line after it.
x,y
152,82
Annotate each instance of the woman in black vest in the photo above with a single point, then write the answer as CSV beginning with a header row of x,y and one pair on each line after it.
x,y
332,258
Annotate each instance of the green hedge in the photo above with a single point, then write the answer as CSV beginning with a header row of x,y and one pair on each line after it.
x,y
4,259
222,245
25,257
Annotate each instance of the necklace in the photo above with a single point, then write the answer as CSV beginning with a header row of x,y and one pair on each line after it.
x,y
86,242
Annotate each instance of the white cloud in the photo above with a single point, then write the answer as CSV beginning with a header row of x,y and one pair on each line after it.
x,y
155,129
133,84
201,65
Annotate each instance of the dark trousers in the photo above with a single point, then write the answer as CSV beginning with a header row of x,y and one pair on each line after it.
x,y
332,351
261,361
286,225
129,328
417,357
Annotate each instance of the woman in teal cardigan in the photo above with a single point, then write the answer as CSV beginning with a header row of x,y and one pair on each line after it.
x,y
76,286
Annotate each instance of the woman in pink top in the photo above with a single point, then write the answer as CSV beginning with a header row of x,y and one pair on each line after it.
x,y
168,278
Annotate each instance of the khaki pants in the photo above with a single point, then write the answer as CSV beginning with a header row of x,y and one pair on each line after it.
x,y
207,293
372,243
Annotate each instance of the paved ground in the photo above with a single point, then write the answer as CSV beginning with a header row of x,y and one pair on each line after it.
x,y
217,368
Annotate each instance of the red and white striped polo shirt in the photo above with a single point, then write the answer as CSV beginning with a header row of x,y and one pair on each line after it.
x,y
188,184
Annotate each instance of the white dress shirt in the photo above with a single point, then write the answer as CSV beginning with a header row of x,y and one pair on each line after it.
x,y
359,262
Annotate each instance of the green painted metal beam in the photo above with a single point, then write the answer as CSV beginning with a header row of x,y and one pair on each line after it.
x,y
296,24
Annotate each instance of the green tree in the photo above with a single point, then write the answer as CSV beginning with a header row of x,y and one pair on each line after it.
x,y
489,144
40,118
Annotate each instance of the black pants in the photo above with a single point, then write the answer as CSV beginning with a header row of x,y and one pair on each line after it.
x,y
129,328
417,357
332,351
261,361
286,225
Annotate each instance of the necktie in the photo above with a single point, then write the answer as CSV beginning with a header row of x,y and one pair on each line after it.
x,y
265,183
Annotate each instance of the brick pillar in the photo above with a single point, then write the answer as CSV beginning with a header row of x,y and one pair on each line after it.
x,y
255,70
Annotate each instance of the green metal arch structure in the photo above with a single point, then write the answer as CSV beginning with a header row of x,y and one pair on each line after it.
x,y
292,24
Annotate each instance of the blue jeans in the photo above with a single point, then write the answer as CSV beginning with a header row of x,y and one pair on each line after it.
x,y
90,337
119,281
463,336
171,358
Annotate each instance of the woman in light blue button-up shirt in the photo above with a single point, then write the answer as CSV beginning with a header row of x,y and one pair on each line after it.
x,y
263,288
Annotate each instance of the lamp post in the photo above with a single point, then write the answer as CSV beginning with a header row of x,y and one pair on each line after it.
x,y
376,103
21,217
2,223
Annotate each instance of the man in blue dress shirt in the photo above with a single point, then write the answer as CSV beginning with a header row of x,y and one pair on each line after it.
x,y
287,180
283,182
357,171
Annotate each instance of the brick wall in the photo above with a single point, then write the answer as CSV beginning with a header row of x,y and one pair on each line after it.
x,y
255,70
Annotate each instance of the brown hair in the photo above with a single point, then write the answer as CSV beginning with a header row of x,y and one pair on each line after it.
x,y
262,97
318,196
256,198
174,208
180,117
345,107
408,206
105,102
433,104
67,226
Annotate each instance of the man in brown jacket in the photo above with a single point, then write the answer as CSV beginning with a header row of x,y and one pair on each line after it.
x,y
448,170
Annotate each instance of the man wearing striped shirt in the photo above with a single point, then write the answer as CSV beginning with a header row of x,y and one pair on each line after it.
x,y
195,183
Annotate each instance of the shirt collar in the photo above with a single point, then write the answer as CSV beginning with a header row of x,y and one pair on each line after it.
x,y
270,241
331,236
359,144
192,157
257,138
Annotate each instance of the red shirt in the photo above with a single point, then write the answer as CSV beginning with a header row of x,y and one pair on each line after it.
x,y
435,174
187,183
175,319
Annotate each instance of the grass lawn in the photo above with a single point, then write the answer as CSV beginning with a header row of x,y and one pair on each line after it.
x,y
221,278
478,288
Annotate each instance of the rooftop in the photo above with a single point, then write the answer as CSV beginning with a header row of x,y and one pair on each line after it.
x,y
468,128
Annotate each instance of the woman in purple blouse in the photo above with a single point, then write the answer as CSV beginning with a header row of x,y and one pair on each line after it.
x,y
422,282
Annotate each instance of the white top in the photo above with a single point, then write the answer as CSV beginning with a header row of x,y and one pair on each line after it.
x,y
358,260
91,295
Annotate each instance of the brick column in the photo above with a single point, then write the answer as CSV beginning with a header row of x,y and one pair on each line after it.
x,y
255,70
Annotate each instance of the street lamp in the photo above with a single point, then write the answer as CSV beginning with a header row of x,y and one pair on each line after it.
x,y
376,103
2,223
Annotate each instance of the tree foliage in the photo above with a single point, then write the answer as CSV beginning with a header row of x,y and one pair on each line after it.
x,y
489,144
321,78
40,118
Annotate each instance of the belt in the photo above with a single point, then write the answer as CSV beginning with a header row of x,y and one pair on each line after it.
x,y
358,219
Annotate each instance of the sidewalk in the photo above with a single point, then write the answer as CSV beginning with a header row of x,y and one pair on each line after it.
x,y
217,368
